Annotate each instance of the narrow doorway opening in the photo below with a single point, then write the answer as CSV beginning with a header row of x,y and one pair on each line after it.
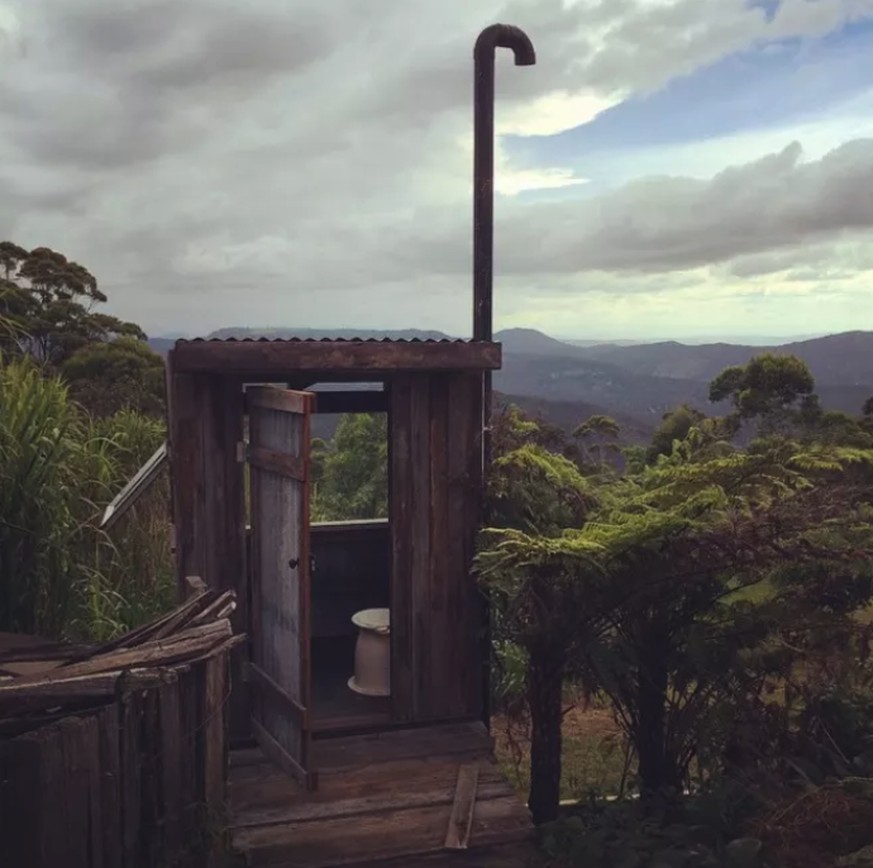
x,y
350,563
351,557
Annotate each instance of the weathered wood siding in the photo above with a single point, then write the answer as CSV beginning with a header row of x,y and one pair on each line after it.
x,y
352,568
135,783
206,423
435,483
280,590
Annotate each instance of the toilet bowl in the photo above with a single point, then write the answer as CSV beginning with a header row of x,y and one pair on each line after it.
x,y
372,653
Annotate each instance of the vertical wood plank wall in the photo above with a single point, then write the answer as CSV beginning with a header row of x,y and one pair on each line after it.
x,y
206,423
436,479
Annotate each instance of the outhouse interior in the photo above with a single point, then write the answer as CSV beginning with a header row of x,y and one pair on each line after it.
x,y
242,416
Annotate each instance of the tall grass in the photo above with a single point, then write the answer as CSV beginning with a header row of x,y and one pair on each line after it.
x,y
134,576
59,574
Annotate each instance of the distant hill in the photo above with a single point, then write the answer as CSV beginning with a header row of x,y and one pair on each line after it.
x,y
161,345
843,359
636,383
533,342
601,384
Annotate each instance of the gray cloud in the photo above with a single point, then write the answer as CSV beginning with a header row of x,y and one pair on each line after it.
x,y
663,224
215,161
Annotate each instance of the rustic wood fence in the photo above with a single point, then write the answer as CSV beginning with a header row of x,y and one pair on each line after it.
x,y
124,768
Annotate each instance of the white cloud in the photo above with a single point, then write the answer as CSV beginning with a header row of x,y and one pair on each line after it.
x,y
216,162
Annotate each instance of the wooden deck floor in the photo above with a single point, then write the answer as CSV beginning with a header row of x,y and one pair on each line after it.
x,y
383,799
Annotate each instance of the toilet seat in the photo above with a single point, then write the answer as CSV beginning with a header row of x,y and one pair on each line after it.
x,y
372,653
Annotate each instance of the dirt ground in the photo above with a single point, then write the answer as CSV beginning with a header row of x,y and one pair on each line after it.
x,y
593,752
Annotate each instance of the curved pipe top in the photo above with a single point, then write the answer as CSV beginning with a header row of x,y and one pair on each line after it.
x,y
490,39
506,36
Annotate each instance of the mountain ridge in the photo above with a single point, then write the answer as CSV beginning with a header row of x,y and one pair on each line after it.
x,y
639,382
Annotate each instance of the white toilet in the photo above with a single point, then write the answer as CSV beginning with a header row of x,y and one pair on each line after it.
x,y
372,653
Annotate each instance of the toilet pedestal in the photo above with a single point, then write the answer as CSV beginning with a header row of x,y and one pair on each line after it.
x,y
372,653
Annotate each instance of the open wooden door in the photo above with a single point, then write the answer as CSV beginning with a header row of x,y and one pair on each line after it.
x,y
279,671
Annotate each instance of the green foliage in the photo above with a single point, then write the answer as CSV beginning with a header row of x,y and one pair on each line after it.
x,y
47,313
674,426
775,389
50,300
112,376
350,474
703,832
643,588
59,575
533,489
598,433
44,454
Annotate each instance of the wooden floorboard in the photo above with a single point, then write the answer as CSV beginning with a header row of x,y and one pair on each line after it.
x,y
379,798
518,854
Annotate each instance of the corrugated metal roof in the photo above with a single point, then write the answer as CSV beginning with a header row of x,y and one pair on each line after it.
x,y
327,340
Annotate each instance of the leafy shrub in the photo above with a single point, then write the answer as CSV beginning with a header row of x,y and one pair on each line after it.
x,y
59,574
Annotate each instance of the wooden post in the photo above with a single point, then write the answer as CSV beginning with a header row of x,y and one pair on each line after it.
x,y
205,428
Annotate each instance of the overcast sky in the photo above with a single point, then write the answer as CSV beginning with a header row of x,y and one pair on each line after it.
x,y
669,168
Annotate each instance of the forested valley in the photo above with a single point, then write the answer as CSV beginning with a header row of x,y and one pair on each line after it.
x,y
708,594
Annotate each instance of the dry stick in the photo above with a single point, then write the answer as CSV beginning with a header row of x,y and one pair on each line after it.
x,y
183,645
226,602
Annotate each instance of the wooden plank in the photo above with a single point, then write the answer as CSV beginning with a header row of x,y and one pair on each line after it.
x,y
461,819
441,620
261,357
333,754
518,854
277,753
280,543
73,782
25,834
215,752
151,790
280,463
255,566
304,446
400,464
185,445
190,791
246,756
419,575
285,400
258,788
171,765
54,821
131,771
396,800
274,692
465,480
160,651
336,841
110,785
224,484
342,724
92,775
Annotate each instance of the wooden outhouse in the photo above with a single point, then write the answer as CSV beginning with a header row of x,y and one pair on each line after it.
x,y
241,414
403,774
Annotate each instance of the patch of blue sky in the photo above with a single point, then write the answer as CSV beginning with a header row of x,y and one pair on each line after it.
x,y
773,86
